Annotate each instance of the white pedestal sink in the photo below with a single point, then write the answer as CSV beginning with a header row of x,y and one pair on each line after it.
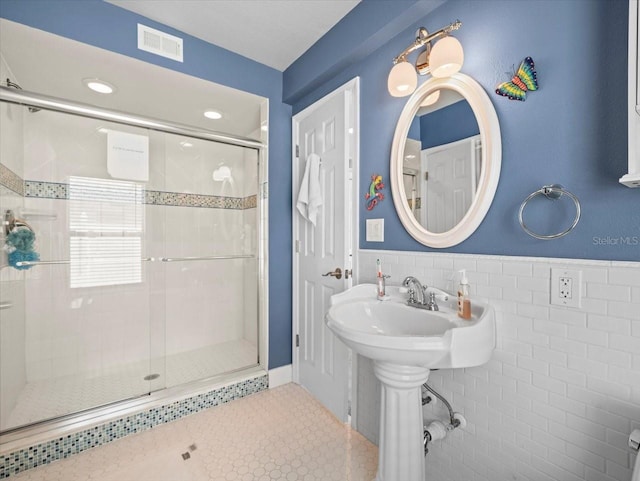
x,y
405,343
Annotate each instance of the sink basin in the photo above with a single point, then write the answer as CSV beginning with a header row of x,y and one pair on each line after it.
x,y
394,332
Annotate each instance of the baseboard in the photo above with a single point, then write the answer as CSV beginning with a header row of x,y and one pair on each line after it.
x,y
280,375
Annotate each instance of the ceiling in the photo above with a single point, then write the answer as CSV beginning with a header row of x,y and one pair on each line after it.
x,y
271,32
48,64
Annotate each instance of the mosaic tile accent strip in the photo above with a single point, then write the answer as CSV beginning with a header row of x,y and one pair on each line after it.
x,y
74,443
250,202
54,190
45,190
11,180
193,200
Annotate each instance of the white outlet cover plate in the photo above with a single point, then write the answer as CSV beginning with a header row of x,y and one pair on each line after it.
x,y
375,230
576,287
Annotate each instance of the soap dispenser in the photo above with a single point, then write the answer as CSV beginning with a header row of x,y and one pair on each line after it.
x,y
464,304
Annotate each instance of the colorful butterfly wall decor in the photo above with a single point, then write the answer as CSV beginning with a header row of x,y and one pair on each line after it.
x,y
525,79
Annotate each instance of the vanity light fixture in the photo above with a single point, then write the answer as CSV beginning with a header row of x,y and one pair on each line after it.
x,y
440,59
99,86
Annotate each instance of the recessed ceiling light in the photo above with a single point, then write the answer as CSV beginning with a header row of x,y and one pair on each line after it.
x,y
103,130
213,114
184,143
99,86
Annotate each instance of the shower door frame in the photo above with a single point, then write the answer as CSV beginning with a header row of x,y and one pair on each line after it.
x,y
21,436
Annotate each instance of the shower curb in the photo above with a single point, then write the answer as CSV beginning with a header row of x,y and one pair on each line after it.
x,y
64,446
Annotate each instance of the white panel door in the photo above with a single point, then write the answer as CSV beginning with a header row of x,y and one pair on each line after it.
x,y
322,360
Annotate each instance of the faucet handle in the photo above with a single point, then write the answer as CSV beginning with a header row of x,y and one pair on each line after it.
x,y
431,304
412,295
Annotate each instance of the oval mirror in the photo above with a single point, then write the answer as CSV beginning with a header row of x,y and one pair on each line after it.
x,y
445,160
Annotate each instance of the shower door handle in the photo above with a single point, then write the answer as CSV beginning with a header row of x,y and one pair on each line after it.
x,y
337,273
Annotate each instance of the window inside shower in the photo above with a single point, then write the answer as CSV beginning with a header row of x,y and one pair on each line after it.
x,y
144,271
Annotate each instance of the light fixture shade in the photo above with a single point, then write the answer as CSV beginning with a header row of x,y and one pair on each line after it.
x,y
446,57
402,80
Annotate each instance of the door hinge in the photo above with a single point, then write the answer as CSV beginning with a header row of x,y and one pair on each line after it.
x,y
297,340
426,176
297,246
297,151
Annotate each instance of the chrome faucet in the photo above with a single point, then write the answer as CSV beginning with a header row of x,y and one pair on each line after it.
x,y
416,291
418,295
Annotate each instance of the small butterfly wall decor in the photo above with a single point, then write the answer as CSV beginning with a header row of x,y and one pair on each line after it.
x,y
525,79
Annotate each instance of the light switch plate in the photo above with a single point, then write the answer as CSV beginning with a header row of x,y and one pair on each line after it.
x,y
375,230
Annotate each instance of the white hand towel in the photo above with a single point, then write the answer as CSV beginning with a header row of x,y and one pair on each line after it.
x,y
310,194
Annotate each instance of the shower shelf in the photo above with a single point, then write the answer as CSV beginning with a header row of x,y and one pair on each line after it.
x,y
145,259
37,214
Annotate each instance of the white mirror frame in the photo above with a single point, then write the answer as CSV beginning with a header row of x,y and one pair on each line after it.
x,y
487,120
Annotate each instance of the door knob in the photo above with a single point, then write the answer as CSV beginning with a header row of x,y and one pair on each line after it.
x,y
337,273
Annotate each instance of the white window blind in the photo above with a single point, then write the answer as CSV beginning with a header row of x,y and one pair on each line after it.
x,y
106,222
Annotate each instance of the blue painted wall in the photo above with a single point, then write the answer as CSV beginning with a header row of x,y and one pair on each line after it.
x,y
572,131
414,129
446,125
109,27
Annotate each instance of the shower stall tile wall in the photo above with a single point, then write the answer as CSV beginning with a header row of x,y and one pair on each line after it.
x,y
561,393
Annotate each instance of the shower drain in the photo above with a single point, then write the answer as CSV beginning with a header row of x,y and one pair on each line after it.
x,y
151,377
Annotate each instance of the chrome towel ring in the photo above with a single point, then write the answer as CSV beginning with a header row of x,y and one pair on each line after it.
x,y
551,192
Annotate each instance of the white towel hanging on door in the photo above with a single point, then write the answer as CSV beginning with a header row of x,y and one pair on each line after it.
x,y
310,194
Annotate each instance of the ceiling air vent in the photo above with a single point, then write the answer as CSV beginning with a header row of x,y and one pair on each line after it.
x,y
160,43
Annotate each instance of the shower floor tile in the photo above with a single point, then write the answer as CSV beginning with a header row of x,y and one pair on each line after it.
x,y
278,434
56,397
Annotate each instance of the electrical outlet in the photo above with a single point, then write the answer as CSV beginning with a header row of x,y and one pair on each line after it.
x,y
566,287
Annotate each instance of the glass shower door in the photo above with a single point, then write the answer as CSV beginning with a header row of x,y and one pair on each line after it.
x,y
211,259
12,301
144,272
86,313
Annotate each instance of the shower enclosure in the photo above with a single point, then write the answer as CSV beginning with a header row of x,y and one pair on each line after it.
x,y
145,270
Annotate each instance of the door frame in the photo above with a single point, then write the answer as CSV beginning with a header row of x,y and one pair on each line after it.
x,y
352,90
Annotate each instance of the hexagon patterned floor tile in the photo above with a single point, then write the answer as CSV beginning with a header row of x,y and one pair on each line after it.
x,y
278,434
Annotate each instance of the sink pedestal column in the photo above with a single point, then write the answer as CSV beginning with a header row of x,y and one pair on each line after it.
x,y
401,452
